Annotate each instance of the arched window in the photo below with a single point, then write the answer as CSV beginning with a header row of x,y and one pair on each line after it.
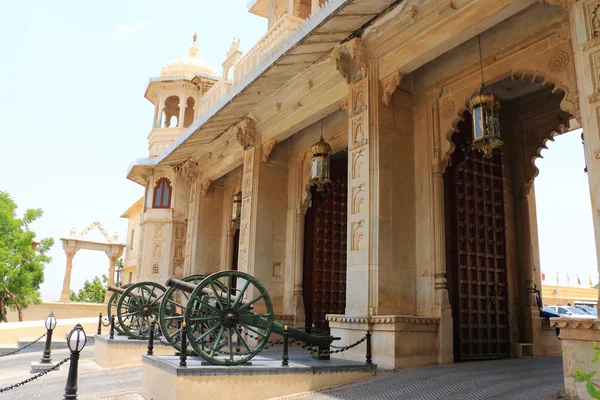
x,y
188,117
162,194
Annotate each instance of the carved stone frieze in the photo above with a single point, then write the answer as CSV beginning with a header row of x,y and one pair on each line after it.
x,y
384,319
389,85
350,59
267,149
244,132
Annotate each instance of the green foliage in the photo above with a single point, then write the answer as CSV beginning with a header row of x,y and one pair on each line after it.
x,y
595,286
91,292
22,260
581,376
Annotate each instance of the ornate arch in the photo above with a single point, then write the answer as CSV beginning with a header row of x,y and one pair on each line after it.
x,y
553,69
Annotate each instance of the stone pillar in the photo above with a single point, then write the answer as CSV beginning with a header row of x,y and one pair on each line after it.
x,y
111,273
233,226
66,290
585,35
182,104
299,310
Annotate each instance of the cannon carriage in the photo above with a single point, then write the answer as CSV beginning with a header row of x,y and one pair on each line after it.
x,y
229,319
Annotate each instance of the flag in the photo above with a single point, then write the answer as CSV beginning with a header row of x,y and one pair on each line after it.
x,y
543,276
591,284
578,280
557,279
568,280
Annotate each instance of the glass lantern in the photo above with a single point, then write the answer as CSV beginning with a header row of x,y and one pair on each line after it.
x,y
77,339
50,322
485,108
236,211
320,175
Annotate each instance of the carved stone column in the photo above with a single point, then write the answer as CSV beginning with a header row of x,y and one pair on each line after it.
x,y
585,33
111,273
66,290
299,311
233,226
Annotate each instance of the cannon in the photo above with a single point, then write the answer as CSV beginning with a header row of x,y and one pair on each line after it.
x,y
230,318
136,305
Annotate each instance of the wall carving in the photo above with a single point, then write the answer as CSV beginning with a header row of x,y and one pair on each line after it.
x,y
158,232
190,171
558,62
358,133
205,184
358,199
277,270
344,104
358,164
384,319
350,59
267,149
157,252
447,109
358,236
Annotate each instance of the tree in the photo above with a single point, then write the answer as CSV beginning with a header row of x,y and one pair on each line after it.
x,y
22,259
595,286
91,292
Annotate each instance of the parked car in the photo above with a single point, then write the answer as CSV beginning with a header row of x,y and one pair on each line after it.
x,y
588,310
570,312
547,312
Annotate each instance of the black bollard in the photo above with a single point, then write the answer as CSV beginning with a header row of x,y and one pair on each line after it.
x,y
151,340
183,352
100,324
112,327
286,339
369,357
50,324
76,342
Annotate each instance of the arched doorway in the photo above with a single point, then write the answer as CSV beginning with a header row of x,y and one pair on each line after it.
x,y
476,251
324,273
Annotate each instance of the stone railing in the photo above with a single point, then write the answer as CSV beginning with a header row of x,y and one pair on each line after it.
x,y
277,34
213,94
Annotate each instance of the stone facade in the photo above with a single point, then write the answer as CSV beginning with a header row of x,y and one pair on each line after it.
x,y
387,84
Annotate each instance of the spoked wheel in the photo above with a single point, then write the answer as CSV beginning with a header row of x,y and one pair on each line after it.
x,y
237,322
172,309
111,308
136,307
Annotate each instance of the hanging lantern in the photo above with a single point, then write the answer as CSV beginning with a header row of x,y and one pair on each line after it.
x,y
320,164
236,211
485,108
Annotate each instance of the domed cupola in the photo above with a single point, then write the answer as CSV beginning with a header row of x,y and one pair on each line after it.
x,y
188,67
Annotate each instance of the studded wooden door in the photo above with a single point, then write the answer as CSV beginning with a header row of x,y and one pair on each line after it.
x,y
476,252
324,278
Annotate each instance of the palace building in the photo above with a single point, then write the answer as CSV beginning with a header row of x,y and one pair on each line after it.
x,y
351,163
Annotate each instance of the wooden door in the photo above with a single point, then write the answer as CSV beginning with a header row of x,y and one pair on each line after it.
x,y
324,275
476,252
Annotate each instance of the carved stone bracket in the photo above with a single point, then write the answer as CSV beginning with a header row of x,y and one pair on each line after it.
x,y
205,186
147,173
350,59
344,104
190,171
389,85
561,3
267,149
244,132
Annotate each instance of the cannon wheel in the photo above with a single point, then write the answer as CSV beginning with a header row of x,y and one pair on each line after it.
x,y
172,309
111,308
220,335
137,306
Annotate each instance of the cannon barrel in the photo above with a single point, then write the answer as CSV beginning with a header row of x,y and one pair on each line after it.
x,y
116,289
179,284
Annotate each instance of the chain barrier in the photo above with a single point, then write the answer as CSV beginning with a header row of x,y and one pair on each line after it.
x,y
24,347
344,348
33,378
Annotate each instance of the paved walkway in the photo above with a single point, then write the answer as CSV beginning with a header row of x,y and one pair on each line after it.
x,y
504,379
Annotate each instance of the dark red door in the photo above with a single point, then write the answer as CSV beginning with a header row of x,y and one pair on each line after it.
x,y
324,278
476,250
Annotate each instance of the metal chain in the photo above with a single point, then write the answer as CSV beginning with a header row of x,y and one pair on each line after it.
x,y
24,347
16,385
344,348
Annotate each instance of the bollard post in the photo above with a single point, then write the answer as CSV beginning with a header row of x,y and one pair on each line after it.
x,y
369,357
112,327
100,324
183,352
151,340
76,342
286,338
50,324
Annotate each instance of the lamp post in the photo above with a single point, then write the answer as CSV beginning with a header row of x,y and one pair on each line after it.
x,y
50,324
76,341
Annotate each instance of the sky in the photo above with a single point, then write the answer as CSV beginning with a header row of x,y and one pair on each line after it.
x,y
73,117
72,109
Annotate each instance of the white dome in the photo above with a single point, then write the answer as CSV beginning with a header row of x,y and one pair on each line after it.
x,y
189,65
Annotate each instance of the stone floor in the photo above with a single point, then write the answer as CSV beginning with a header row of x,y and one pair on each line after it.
x,y
505,379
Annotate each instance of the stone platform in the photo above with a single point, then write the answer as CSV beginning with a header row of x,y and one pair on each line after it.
x,y
264,378
122,351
